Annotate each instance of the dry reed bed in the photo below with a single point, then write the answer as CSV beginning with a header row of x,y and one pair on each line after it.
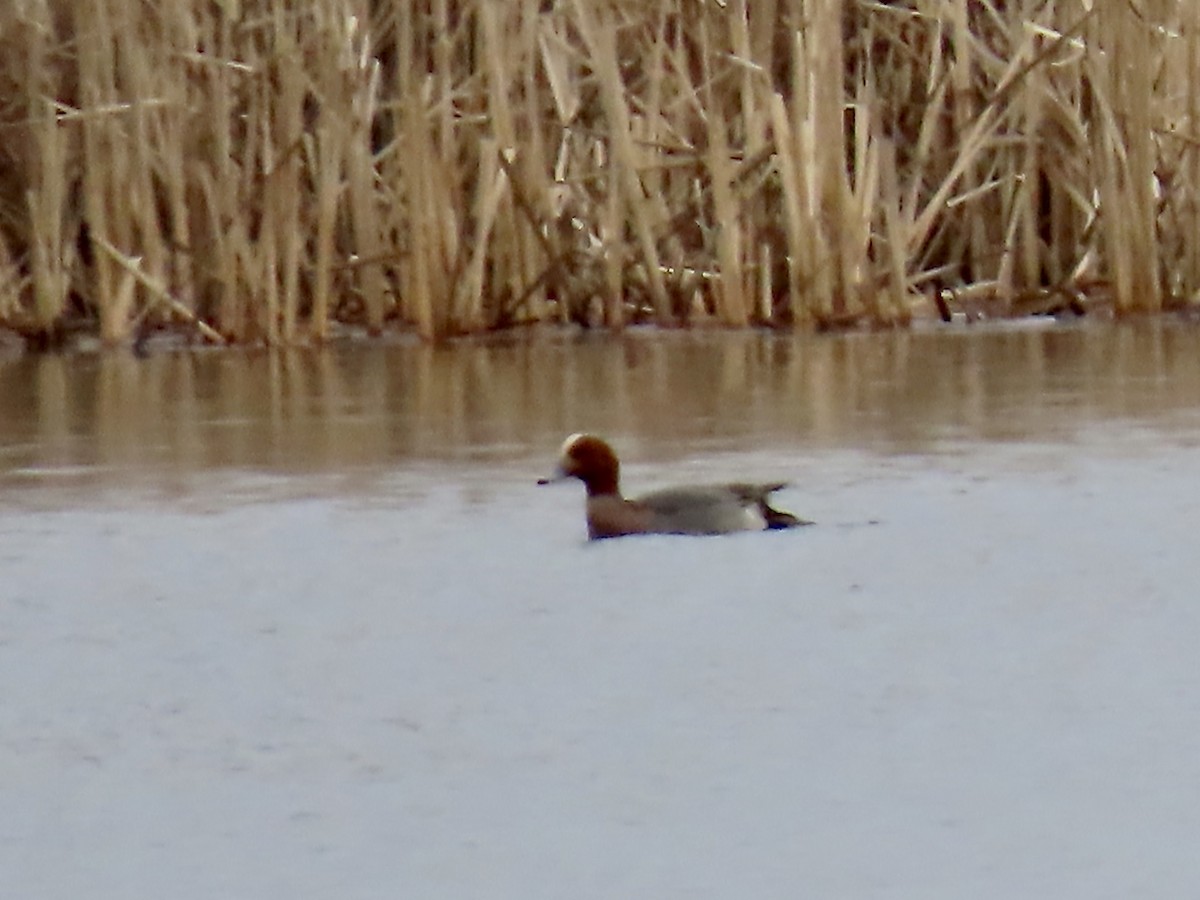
x,y
262,170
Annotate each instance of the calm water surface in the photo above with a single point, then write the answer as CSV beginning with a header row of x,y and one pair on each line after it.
x,y
301,625
350,419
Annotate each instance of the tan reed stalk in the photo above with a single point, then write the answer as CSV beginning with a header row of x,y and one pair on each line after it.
x,y
536,231
972,243
104,159
396,37
1188,71
611,222
651,122
283,226
1022,263
761,236
598,29
47,203
1062,197
493,185
441,74
170,156
799,263
501,115
862,213
543,239
1111,170
250,301
215,220
828,163
329,161
1123,66
731,303
748,73
144,206
524,258
418,285
893,282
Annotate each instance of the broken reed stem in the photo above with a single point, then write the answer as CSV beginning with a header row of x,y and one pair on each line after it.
x,y
279,168
133,268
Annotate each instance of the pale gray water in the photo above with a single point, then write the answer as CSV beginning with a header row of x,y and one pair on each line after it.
x,y
301,625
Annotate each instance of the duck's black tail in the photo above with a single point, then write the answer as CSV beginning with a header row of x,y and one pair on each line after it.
x,y
757,494
777,518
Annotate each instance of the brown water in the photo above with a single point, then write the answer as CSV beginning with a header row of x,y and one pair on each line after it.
x,y
345,415
300,624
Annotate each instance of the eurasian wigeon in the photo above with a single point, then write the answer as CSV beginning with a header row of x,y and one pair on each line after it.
x,y
702,509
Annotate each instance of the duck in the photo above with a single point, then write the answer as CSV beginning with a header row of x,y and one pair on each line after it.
x,y
694,509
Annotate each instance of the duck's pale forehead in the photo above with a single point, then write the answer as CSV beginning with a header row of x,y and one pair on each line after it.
x,y
569,443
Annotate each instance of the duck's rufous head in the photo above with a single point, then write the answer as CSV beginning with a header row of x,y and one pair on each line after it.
x,y
591,460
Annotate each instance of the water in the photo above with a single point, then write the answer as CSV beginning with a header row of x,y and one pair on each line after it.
x,y
301,625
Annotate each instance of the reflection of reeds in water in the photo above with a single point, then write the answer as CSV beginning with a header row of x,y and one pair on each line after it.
x,y
366,409
261,171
